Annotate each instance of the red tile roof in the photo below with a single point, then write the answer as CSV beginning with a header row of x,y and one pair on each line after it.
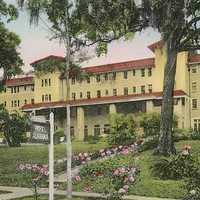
x,y
194,58
19,81
134,64
101,100
156,45
49,57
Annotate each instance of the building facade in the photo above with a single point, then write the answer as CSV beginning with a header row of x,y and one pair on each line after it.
x,y
126,87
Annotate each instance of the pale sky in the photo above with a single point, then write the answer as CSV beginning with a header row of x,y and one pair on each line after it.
x,y
35,44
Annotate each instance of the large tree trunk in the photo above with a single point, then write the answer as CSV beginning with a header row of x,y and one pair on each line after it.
x,y
166,144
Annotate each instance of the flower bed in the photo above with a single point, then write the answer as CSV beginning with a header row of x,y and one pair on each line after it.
x,y
121,170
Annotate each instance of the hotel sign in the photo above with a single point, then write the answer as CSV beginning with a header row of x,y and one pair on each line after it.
x,y
40,131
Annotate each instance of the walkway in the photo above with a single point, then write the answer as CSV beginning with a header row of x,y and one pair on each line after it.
x,y
17,192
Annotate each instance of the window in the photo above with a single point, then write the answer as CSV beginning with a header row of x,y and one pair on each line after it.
x,y
125,91
73,81
106,129
18,89
25,101
106,93
49,82
88,79
98,78
14,89
25,88
197,125
183,101
42,83
114,92
194,70
114,75
194,86
46,97
96,130
88,95
5,90
49,97
12,104
142,72
73,95
98,93
134,72
125,74
150,88
42,98
72,132
134,89
85,132
149,71
143,89
5,103
194,103
81,95
32,101
32,87
15,103
106,76
18,103
46,82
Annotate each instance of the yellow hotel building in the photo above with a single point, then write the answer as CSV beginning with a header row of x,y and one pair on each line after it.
x,y
126,87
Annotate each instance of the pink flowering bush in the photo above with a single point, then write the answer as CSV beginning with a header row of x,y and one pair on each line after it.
x,y
36,173
119,172
122,177
83,158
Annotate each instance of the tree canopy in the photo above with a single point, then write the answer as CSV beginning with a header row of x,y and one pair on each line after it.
x,y
10,60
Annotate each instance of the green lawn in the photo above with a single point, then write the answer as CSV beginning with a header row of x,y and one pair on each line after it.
x,y
9,157
146,184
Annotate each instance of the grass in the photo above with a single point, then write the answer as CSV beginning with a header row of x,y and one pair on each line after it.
x,y
9,157
146,184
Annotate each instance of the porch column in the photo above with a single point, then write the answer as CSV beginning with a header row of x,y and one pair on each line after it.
x,y
112,109
149,106
80,123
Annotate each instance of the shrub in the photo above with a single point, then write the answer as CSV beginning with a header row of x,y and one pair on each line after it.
x,y
186,134
93,139
123,129
14,126
150,144
150,122
180,166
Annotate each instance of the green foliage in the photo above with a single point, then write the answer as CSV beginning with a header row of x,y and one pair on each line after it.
x,y
10,60
14,126
93,139
186,134
57,135
150,122
177,167
123,129
150,144
104,167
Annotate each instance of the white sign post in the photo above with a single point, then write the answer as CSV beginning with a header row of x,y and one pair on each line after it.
x,y
43,132
51,158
